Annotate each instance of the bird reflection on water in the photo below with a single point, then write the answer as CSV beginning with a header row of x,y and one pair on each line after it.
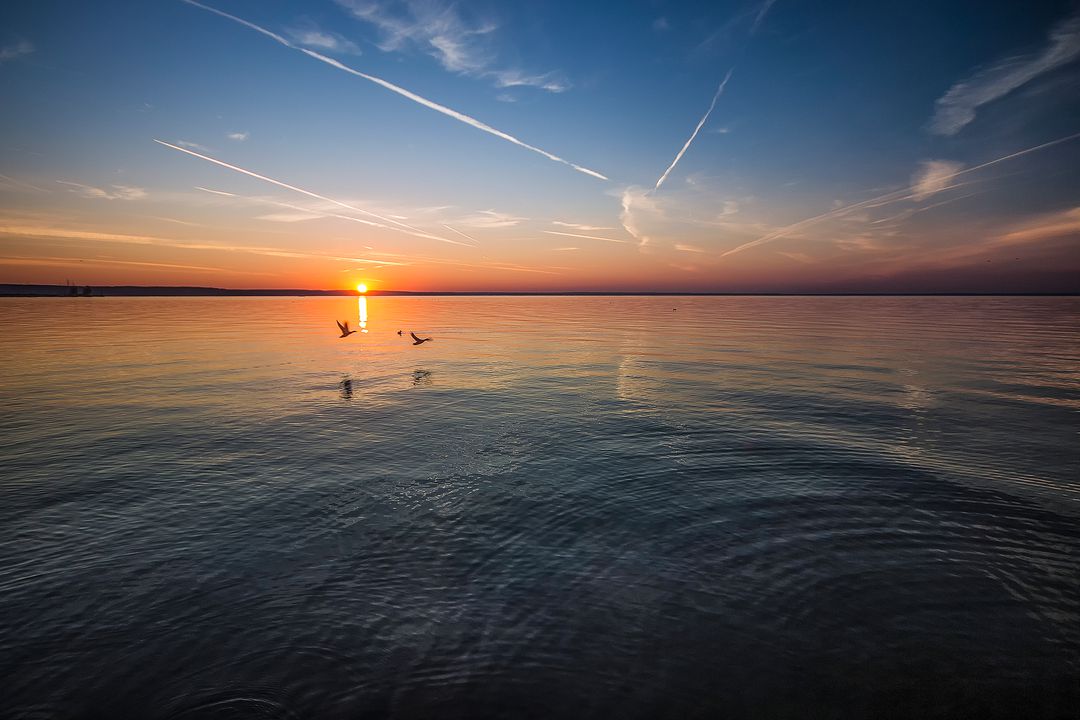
x,y
421,377
346,389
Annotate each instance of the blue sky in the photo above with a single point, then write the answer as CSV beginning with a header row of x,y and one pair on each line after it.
x,y
843,152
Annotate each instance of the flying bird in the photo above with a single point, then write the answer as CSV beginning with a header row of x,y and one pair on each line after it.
x,y
344,327
419,341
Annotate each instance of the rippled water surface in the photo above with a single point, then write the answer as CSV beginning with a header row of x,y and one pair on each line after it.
x,y
560,507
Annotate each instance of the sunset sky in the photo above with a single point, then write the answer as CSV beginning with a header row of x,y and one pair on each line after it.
x,y
784,145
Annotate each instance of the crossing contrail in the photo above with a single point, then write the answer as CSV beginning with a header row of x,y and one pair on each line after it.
x,y
894,196
401,227
460,117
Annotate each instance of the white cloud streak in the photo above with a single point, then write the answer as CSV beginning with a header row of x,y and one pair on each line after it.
x,y
705,117
467,237
238,136
440,30
957,107
460,117
118,192
23,47
400,226
587,237
889,197
932,177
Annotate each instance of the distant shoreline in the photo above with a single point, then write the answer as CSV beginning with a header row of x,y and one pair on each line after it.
x,y
64,291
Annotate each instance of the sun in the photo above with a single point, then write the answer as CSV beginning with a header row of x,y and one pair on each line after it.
x,y
361,288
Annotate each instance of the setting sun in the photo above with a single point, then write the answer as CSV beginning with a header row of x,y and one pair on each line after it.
x,y
361,288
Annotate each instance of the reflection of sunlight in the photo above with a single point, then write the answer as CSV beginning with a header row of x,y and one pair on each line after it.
x,y
363,314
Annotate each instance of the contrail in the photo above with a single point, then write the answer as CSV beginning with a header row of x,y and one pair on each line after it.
x,y
467,237
894,196
719,91
409,228
587,237
460,117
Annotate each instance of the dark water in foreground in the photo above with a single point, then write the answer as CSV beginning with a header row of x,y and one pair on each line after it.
x,y
561,507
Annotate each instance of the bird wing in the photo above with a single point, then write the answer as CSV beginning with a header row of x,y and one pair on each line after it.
x,y
415,338
341,327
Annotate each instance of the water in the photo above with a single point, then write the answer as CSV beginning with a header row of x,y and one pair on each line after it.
x,y
560,507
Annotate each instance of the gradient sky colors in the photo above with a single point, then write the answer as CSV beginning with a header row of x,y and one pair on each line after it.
x,y
783,145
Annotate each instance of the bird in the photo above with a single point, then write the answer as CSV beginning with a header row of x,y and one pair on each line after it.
x,y
399,333
344,327
418,341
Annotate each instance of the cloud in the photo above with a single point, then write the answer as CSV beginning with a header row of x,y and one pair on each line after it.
x,y
578,226
289,217
117,192
438,29
889,197
716,96
467,237
90,235
400,226
193,145
587,237
489,219
661,24
460,117
564,249
957,107
634,200
323,40
10,52
238,136
1065,222
933,176
760,17
689,248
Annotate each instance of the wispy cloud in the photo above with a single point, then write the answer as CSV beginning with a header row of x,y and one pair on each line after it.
x,y
113,192
399,226
10,52
889,197
289,217
238,136
564,249
587,237
1059,224
53,261
323,40
579,226
46,231
10,182
684,247
933,176
439,29
193,145
634,201
489,220
760,17
460,117
686,146
957,107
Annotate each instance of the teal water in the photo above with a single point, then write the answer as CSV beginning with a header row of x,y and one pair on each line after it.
x,y
559,507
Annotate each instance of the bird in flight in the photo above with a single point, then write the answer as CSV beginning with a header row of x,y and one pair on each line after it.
x,y
418,341
344,327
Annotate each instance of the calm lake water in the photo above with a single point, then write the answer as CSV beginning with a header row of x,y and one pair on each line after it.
x,y
560,507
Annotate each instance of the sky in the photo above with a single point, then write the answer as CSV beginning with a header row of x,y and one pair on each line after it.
x,y
744,146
